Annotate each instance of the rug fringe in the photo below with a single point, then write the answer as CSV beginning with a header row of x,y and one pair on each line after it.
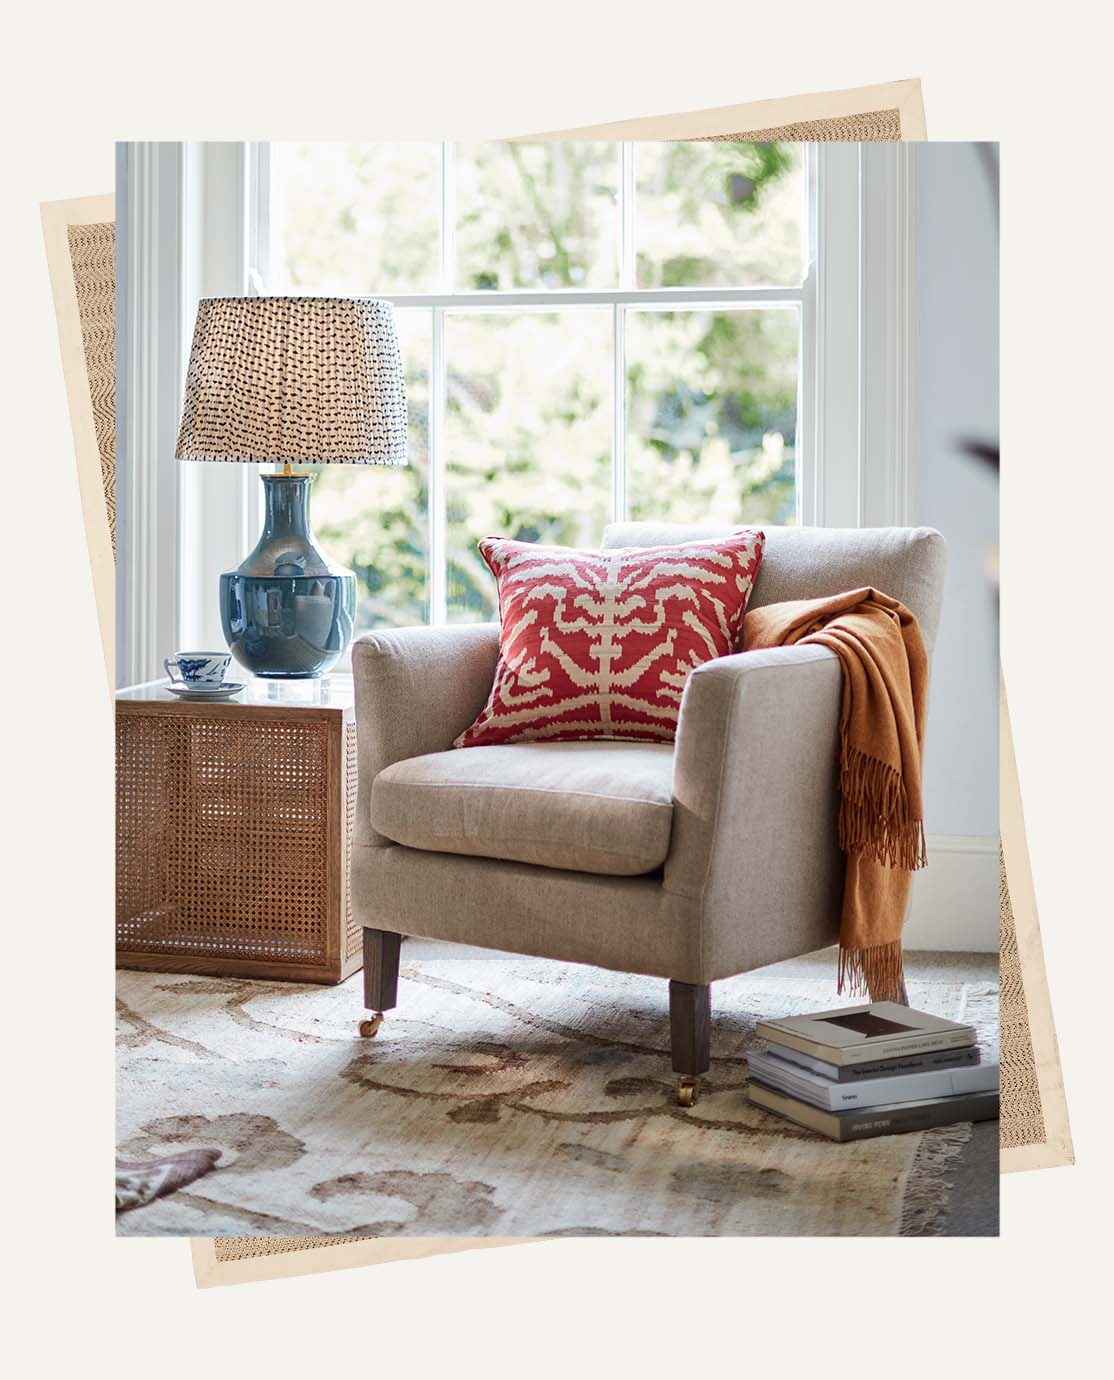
x,y
924,1204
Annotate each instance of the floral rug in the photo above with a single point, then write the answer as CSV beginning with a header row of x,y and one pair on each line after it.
x,y
508,1097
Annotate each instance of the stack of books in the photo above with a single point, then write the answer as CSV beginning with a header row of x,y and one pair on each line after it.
x,y
872,1070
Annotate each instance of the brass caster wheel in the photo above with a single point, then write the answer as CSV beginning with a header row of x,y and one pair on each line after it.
x,y
371,1026
686,1093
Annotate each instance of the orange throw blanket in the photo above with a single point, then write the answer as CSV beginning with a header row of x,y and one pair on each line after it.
x,y
881,732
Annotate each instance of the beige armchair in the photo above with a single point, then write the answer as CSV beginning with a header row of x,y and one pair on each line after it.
x,y
690,862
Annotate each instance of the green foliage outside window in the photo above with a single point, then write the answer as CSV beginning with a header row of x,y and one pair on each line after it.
x,y
711,393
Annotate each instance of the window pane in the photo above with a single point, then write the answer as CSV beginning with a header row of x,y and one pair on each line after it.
x,y
374,518
718,214
536,215
528,439
712,415
357,218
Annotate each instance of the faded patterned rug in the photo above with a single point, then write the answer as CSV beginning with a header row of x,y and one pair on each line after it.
x,y
508,1097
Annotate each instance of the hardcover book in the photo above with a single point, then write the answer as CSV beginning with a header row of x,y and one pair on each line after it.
x,y
863,1034
893,1118
833,1096
966,1057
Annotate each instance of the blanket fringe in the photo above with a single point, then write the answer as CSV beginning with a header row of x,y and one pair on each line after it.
x,y
874,819
877,973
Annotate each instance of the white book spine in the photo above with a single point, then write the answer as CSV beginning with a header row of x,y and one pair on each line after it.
x,y
872,1092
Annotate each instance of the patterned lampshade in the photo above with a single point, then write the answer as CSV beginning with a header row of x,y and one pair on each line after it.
x,y
297,380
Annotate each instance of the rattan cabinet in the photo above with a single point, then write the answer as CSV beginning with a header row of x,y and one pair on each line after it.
x,y
233,831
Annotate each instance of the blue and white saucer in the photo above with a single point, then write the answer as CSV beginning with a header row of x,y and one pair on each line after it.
x,y
205,692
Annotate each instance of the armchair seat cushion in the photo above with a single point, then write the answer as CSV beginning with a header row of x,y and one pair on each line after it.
x,y
601,807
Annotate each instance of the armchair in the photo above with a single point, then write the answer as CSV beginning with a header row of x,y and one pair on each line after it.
x,y
691,862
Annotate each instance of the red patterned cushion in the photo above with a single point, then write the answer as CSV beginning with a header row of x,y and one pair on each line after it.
x,y
598,644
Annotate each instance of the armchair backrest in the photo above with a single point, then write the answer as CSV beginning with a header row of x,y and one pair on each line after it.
x,y
808,562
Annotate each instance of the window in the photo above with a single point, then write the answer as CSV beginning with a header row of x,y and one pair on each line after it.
x,y
591,331
660,390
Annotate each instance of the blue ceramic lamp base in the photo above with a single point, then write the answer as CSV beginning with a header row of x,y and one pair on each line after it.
x,y
288,610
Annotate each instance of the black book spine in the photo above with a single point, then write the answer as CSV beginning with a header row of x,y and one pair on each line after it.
x,y
860,1125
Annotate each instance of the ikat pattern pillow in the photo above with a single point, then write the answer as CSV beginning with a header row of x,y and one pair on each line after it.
x,y
599,644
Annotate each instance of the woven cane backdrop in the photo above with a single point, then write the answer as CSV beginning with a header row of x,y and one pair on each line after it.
x,y
1035,1133
1022,1115
890,111
80,240
872,127
246,1247
230,1249
93,251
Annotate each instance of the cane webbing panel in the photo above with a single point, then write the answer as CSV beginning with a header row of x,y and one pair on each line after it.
x,y
243,1247
1022,1121
873,126
93,255
353,932
315,380
222,837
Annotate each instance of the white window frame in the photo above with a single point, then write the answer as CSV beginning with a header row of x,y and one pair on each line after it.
x,y
195,222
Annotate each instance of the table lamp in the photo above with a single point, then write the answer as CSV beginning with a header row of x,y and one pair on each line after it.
x,y
293,380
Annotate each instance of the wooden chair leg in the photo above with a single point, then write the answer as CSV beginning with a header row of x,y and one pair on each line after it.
x,y
690,1030
380,976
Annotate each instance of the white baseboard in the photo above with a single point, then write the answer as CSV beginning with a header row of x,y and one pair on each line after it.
x,y
955,898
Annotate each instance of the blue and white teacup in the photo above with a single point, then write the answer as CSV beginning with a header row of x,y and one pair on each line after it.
x,y
198,668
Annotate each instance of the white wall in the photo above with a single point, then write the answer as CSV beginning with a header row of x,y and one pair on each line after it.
x,y
956,370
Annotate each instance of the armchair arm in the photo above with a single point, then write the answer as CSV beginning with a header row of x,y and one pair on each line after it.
x,y
755,808
416,690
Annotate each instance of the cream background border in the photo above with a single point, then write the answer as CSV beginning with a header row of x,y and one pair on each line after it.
x,y
209,1271
57,217
1056,1149
902,96
906,98
84,77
